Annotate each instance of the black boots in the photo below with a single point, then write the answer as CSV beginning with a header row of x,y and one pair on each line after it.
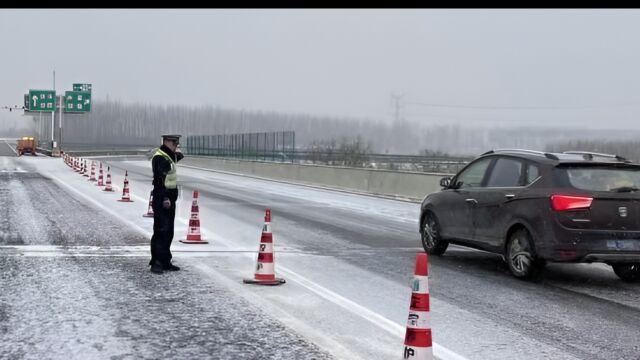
x,y
171,267
158,268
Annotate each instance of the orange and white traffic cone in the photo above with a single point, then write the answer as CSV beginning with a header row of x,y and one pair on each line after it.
x,y
265,265
125,190
85,169
417,341
108,185
100,177
193,233
150,210
93,171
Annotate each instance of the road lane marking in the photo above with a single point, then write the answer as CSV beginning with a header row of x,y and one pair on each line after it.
x,y
11,147
376,319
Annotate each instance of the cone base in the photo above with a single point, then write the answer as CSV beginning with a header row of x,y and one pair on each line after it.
x,y
125,200
147,215
277,281
109,190
93,180
194,241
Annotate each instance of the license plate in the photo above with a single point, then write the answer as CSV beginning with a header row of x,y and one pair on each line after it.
x,y
628,245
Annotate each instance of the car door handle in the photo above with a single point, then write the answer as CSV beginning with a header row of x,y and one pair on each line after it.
x,y
471,201
510,196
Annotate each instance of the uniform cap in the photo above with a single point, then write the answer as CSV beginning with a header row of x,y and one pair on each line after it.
x,y
175,138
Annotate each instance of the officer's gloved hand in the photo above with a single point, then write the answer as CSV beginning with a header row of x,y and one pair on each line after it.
x,y
166,204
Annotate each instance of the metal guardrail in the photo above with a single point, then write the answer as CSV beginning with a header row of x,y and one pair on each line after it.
x,y
394,162
70,147
44,147
233,149
107,152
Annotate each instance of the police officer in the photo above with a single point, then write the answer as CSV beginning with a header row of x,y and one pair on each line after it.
x,y
165,194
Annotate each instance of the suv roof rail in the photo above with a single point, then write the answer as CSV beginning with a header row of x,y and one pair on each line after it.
x,y
525,151
588,155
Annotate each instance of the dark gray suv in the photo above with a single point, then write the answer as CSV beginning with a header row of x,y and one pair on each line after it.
x,y
532,207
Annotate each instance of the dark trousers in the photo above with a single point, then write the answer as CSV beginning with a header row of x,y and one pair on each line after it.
x,y
163,220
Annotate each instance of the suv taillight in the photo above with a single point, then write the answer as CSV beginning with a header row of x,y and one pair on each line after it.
x,y
567,202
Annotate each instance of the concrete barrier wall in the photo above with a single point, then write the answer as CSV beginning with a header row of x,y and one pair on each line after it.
x,y
411,185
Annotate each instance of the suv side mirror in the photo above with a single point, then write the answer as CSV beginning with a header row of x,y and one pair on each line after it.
x,y
445,182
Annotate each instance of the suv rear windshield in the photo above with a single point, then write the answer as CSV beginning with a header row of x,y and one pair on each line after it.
x,y
613,178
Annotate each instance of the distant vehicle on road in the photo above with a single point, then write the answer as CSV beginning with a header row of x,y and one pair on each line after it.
x,y
533,207
26,144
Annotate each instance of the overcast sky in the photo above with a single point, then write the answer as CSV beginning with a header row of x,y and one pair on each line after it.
x,y
543,67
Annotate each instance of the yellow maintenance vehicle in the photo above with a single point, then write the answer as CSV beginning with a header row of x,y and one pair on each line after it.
x,y
26,144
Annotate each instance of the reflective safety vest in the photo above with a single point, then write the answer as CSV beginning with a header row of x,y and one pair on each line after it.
x,y
170,181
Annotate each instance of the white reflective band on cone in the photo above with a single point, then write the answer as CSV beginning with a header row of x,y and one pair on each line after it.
x,y
265,268
194,230
418,353
419,320
266,248
266,228
420,284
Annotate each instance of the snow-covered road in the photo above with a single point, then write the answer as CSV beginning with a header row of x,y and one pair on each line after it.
x,y
75,280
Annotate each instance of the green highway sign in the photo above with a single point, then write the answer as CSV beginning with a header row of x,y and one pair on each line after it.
x,y
77,101
42,100
82,87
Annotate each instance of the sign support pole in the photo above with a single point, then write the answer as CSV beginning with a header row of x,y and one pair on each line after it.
x,y
60,128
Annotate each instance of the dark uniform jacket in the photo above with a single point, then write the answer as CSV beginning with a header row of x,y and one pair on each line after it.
x,y
161,167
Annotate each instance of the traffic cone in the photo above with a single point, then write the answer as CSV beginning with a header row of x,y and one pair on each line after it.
x,y
76,165
85,169
125,190
265,265
193,233
417,340
150,210
108,185
100,178
93,171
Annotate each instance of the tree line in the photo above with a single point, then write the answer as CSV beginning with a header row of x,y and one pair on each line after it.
x,y
629,149
113,122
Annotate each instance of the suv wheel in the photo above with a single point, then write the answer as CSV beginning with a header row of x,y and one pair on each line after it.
x,y
627,272
431,241
520,256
